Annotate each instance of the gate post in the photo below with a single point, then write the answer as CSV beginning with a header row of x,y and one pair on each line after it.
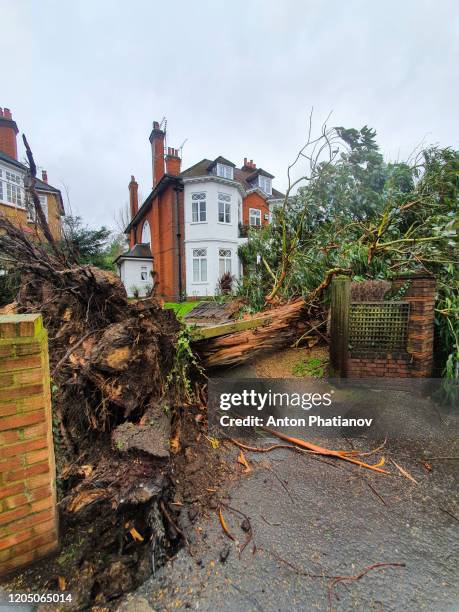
x,y
28,512
339,326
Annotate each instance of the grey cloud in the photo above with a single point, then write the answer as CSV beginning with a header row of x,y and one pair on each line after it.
x,y
85,80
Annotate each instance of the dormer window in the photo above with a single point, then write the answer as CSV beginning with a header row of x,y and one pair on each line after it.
x,y
225,171
264,183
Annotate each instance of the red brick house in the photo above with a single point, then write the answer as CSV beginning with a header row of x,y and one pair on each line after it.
x,y
193,222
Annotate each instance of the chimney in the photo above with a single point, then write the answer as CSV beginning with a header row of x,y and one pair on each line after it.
x,y
248,165
173,161
133,197
8,131
157,152
44,176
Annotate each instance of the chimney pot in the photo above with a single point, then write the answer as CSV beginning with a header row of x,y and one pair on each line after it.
x,y
173,162
44,176
8,132
157,152
133,196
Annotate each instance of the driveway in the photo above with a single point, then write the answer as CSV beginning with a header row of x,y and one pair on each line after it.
x,y
314,519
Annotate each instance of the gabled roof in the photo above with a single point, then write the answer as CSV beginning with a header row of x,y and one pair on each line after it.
x,y
199,169
40,185
139,251
252,176
221,160
240,175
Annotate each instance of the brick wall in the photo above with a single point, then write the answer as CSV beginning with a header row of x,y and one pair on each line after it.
x,y
28,515
254,200
18,216
417,359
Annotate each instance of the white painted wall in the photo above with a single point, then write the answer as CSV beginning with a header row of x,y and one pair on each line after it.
x,y
210,234
130,271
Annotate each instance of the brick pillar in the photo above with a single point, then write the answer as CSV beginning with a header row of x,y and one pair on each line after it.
x,y
28,514
421,296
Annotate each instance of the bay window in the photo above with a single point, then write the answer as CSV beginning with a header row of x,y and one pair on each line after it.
x,y
199,207
14,189
224,261
224,208
199,265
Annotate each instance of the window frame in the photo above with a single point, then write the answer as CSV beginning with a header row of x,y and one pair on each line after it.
x,y
32,213
200,258
12,189
265,184
257,215
224,200
223,170
225,256
145,224
201,206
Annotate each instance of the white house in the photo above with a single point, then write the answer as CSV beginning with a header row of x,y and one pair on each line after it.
x,y
195,220
135,269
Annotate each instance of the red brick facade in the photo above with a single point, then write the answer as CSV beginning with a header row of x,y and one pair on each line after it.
x,y
164,211
166,220
8,131
254,200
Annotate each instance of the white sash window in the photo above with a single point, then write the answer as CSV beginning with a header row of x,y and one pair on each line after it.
x,y
224,208
254,216
224,261
199,208
199,265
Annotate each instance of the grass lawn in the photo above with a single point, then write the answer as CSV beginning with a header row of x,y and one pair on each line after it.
x,y
181,308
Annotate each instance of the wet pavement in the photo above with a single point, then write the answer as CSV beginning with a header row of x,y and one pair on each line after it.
x,y
313,520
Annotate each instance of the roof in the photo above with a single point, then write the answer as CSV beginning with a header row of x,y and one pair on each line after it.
x,y
201,168
139,251
221,160
257,172
39,184
166,179
244,177
12,161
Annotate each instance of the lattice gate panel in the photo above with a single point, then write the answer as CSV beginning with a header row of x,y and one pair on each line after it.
x,y
380,326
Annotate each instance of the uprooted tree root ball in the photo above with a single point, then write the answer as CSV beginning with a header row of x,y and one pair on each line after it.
x,y
116,401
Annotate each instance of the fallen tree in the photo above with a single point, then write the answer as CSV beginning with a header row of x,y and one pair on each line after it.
x,y
368,219
116,378
278,328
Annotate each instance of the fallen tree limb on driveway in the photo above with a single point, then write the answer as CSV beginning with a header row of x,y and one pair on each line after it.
x,y
314,448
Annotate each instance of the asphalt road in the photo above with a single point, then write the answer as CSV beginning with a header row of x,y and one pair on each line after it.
x,y
310,517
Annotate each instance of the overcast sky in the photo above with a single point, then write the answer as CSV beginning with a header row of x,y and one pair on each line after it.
x,y
85,80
